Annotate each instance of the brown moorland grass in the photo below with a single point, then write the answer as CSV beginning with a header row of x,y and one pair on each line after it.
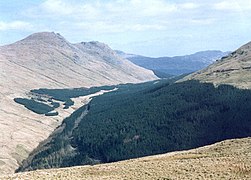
x,y
230,159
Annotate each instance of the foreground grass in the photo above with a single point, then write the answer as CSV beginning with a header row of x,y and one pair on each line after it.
x,y
230,159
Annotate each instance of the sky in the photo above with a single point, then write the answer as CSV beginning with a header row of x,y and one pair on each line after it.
x,y
147,27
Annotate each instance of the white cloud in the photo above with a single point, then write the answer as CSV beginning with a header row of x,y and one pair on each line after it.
x,y
57,7
136,8
189,6
104,27
126,21
61,8
15,25
197,21
114,15
153,8
232,5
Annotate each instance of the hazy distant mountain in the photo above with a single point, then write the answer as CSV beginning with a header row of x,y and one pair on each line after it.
x,y
125,55
234,69
47,60
175,65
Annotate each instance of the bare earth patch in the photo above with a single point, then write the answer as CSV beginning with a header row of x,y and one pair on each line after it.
x,y
230,159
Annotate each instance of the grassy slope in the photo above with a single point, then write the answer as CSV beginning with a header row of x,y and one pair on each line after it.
x,y
230,159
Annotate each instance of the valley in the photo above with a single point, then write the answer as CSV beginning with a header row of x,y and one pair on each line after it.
x,y
127,114
137,89
146,119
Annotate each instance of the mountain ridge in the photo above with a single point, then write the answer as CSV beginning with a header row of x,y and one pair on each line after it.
x,y
85,64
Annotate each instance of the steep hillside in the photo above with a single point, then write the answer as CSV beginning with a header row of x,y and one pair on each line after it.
x,y
230,159
146,119
166,66
47,60
234,69
55,62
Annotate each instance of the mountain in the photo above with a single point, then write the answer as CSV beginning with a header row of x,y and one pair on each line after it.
x,y
48,60
170,66
55,61
233,69
145,119
228,159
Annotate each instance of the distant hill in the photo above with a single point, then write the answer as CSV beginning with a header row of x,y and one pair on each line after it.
x,y
230,159
234,69
48,60
172,66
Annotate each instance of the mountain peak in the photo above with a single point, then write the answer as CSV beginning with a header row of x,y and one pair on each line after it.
x,y
244,50
241,54
51,38
95,45
246,46
43,36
